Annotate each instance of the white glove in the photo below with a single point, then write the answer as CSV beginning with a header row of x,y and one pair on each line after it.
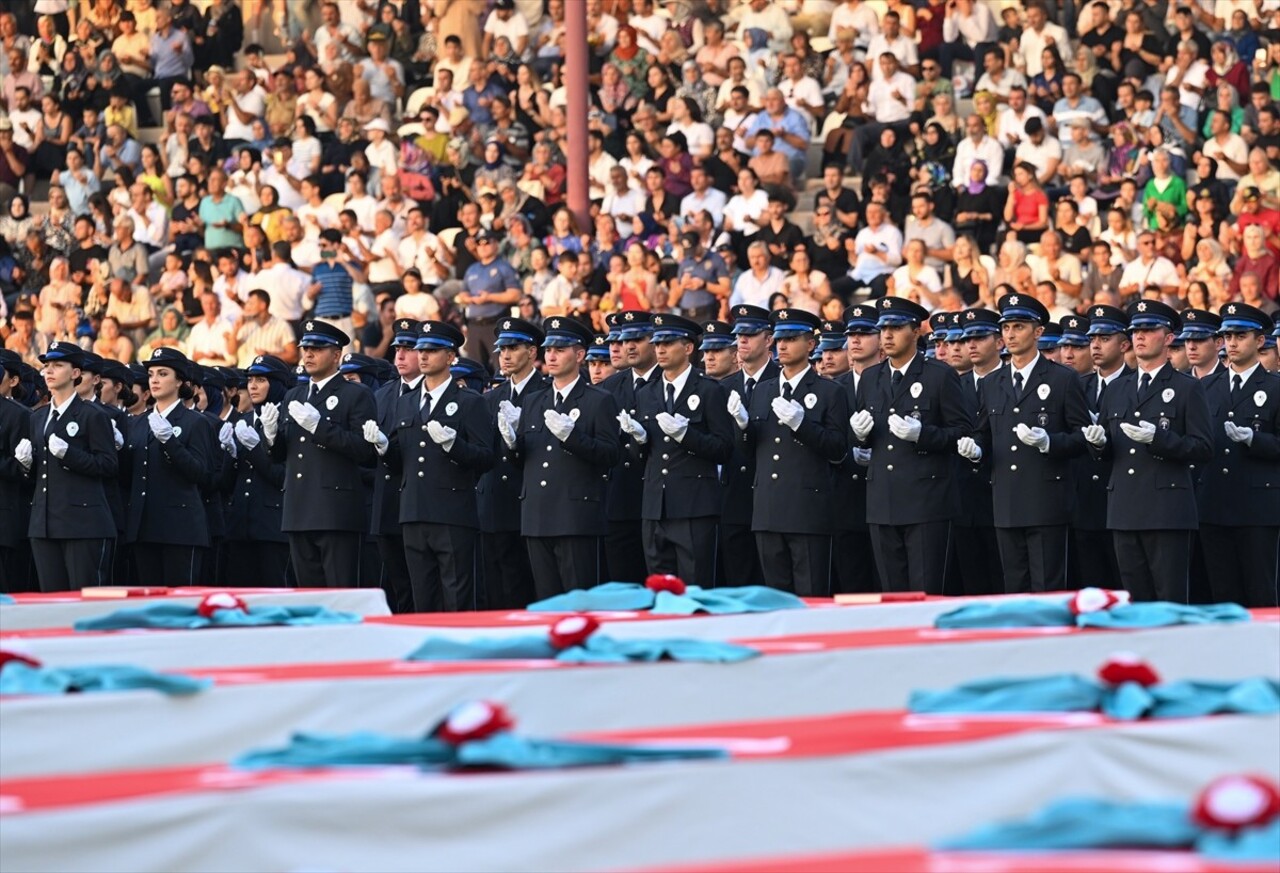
x,y
788,412
506,427
1093,417
862,457
510,412
1096,435
57,445
269,414
1139,433
1238,434
247,436
861,422
674,426
1035,437
116,436
160,426
968,449
560,424
904,428
306,415
442,436
737,410
22,451
227,438
632,428
373,435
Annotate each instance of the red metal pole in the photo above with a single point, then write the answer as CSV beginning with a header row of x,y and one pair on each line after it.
x,y
578,197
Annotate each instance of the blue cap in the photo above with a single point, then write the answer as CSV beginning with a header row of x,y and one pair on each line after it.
x,y
353,362
789,322
117,372
895,311
938,327
832,338
1075,330
749,319
980,322
1105,320
71,353
615,329
269,366
407,330
955,330
672,328
717,335
860,319
518,332
471,371
439,335
1049,339
320,333
1199,324
166,356
93,363
1153,313
1022,307
599,349
635,324
565,331
1243,317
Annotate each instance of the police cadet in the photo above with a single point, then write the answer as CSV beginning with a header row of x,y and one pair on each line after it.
x,y
1203,342
795,427
910,413
599,362
833,360
623,547
507,575
208,399
1073,346
853,567
1153,424
1031,419
257,549
441,445
737,540
15,424
938,336
617,348
1240,487
1047,345
566,439
87,390
318,435
719,350
684,433
1270,355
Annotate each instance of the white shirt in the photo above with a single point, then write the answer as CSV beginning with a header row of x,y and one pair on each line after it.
x,y
700,137
421,306
513,28
803,94
429,397
1024,371
1235,148
986,149
383,269
887,108
1159,272
1196,76
861,18
738,122
383,157
1031,46
211,339
678,382
365,208
255,104
629,204
221,287
155,232
712,200
1009,79
743,209
978,27
772,20
886,239
901,48
754,290
794,382
423,254
1038,156
323,37
32,118
316,218
928,277
287,288
1009,124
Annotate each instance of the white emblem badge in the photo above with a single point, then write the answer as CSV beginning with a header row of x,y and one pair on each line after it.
x,y
177,431
810,401
1043,392
73,429
574,413
1166,395
331,403
1260,398
916,389
693,402
451,409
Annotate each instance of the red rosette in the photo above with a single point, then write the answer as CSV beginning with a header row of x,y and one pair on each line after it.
x,y
1096,600
1236,802
220,600
572,630
665,582
6,656
473,721
1128,667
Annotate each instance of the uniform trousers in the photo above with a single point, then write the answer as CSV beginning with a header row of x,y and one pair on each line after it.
x,y
442,566
1242,564
624,552
976,559
508,578
563,564
800,563
252,563
853,567
63,565
1034,558
395,579
1092,562
325,558
739,560
685,547
911,557
1154,564
173,566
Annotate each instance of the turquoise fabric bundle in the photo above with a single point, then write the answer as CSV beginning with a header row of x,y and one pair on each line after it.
x,y
512,752
1162,614
1045,612
596,649
1059,693
1251,845
177,616
628,596
17,677
360,749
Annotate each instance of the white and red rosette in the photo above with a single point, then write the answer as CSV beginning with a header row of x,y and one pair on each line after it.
x,y
220,600
1237,801
474,721
665,582
1127,667
572,630
1096,600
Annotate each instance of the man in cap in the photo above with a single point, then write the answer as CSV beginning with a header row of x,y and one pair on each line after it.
x,y
508,576
617,348
331,295
1203,340
702,280
1073,345
685,434
15,425
1047,345
853,567
492,287
1030,422
719,350
1154,425
87,390
833,360
910,413
441,444
795,427
1239,513
599,362
566,440
1269,357
318,436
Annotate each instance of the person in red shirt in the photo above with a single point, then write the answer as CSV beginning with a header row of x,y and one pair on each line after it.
x,y
1258,259
1026,211
1253,212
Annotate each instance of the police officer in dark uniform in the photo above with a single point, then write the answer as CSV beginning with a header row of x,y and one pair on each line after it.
x,y
1153,424
210,389
599,363
719,350
1240,487
317,432
492,287
15,426
508,577
853,567
1073,346
1203,342
566,440
684,432
1048,342
702,277
795,428
1031,419
87,390
911,413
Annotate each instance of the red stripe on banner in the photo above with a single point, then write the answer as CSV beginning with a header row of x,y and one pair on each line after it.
x,y
42,597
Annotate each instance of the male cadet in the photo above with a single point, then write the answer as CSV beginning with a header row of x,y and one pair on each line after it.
x,y
1240,487
719,350
617,348
1270,356
1030,422
737,542
685,434
70,454
1153,424
319,439
910,413
853,566
441,444
15,423
702,279
599,364
507,576
623,546
1047,345
1203,342
386,482
795,427
937,337
87,390
1073,347
566,439
833,360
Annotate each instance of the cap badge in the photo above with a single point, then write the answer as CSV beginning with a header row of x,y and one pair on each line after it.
x,y
311,325
158,353
346,358
404,325
886,303
783,314
332,403
630,316
426,328
1142,307
1098,312
258,360
658,321
742,310
693,402
711,328
555,323
1013,300
1072,323
970,316
1231,310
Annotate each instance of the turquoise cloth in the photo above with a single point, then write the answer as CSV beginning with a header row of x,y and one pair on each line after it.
x,y
1250,845
177,616
1162,614
1085,823
1059,693
597,649
6,599
1043,612
361,749
521,753
628,596
1028,612
19,678
1189,698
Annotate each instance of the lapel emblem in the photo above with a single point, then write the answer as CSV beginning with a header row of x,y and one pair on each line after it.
x,y
1166,395
1043,392
1259,398
73,429
332,403
177,431
916,389
451,409
574,413
693,402
810,401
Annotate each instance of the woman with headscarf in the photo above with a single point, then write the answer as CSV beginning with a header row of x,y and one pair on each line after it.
x,y
494,169
1225,66
888,160
614,95
1164,198
694,87
1011,258
979,207
16,221
69,84
270,214
677,164
1122,163
1225,100
631,61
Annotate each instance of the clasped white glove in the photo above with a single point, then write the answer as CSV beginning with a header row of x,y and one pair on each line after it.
x,y
227,438
737,410
905,428
674,426
306,415
630,427
1238,434
968,449
560,424
57,445
1036,437
1139,433
269,415
506,427
509,412
861,422
788,412
372,434
22,452
116,436
160,426
862,457
1096,435
442,435
247,436
1093,417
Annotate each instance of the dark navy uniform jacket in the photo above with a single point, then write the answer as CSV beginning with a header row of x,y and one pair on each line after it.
x,y
499,491
15,426
739,474
166,500
1240,486
70,499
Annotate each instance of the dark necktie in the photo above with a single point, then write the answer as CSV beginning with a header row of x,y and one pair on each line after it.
x,y
559,402
786,390
671,397
405,388
312,392
896,379
748,385
1236,385
1102,389
427,404
52,423
1017,383
1144,384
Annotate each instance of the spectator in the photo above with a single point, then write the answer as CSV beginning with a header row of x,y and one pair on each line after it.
x,y
171,56
968,33
758,284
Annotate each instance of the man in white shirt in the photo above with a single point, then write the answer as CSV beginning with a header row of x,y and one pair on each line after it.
x,y
1148,269
1189,74
383,270
977,146
879,248
284,283
768,16
1011,126
738,77
150,220
998,80
624,202
801,92
1227,148
209,342
703,196
968,32
423,250
334,41
891,100
1038,35
855,17
453,60
315,214
738,116
247,105
1042,151
758,283
231,285
890,39
504,20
